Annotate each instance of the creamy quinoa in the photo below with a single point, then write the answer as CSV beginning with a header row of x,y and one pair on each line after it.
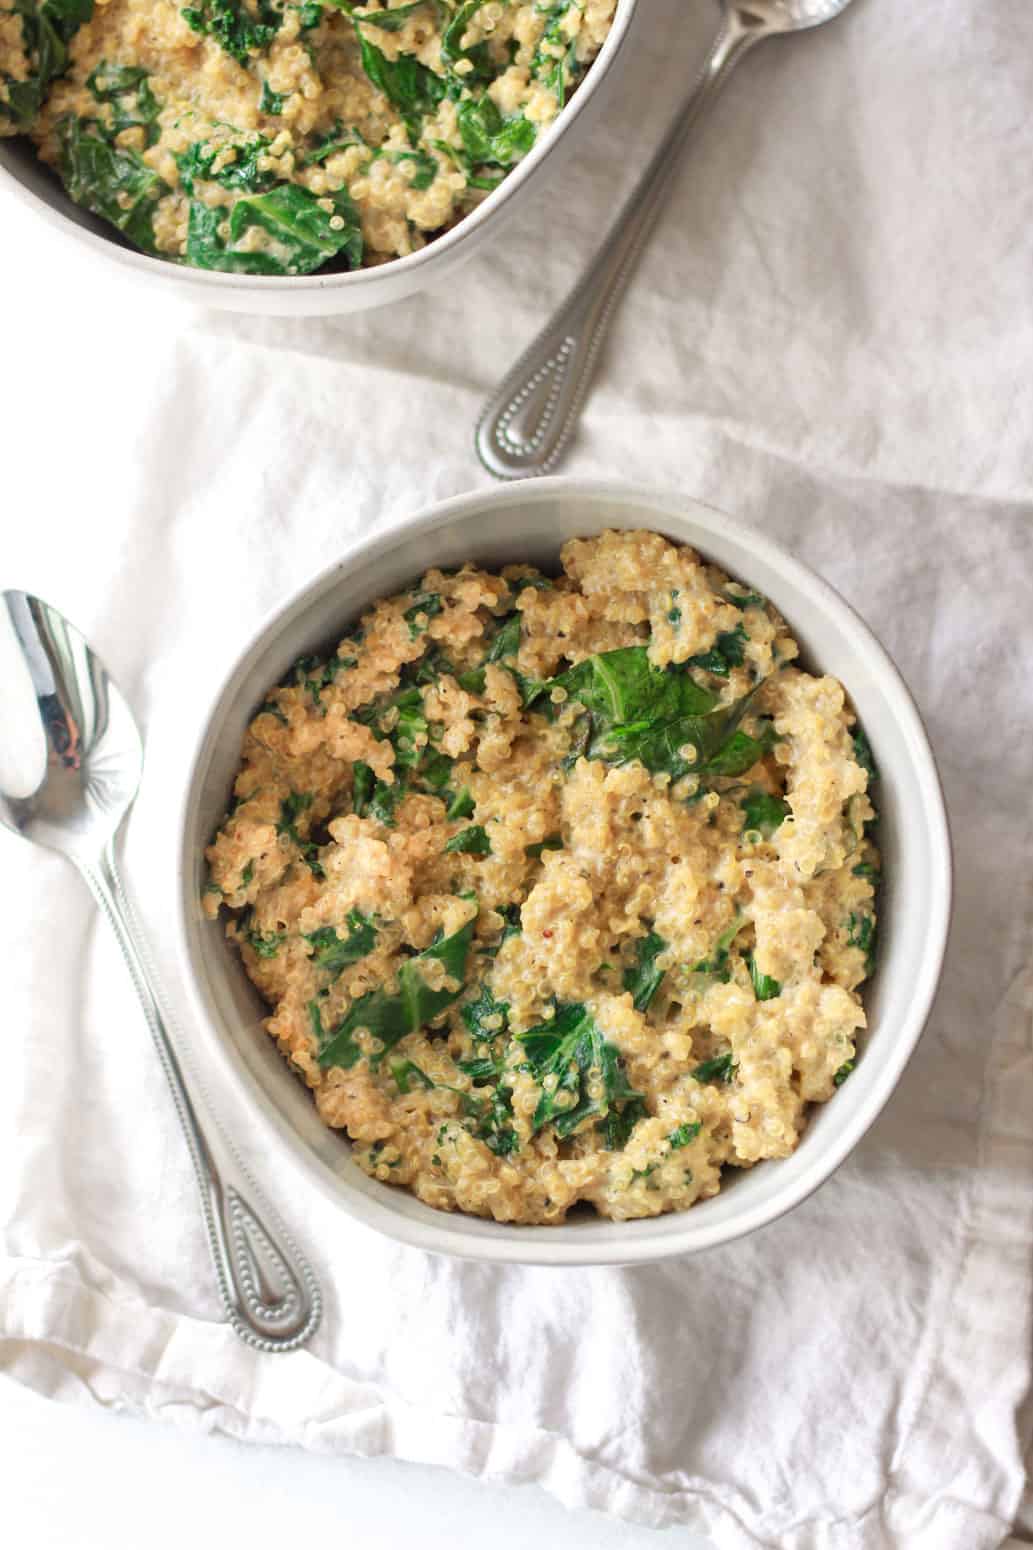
x,y
273,137
559,889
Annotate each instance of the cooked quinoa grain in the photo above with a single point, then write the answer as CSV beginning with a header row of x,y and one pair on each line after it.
x,y
559,889
274,137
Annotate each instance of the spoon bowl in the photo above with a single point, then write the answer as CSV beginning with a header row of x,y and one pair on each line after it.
x,y
93,753
70,768
792,15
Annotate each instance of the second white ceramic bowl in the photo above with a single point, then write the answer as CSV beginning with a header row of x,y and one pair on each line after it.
x,y
24,176
528,523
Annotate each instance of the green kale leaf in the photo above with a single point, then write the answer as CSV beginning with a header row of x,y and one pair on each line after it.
x,y
303,234
764,987
335,953
407,1073
237,30
390,1017
460,805
469,842
363,782
291,809
684,1134
115,184
862,934
47,30
645,979
265,945
637,711
410,86
486,1018
384,21
864,757
425,606
580,1073
727,652
763,813
488,138
720,1069
125,92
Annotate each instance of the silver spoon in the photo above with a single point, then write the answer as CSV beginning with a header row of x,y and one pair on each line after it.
x,y
526,424
78,775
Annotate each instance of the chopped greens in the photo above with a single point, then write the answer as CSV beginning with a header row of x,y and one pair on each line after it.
x,y
291,809
645,979
233,168
125,91
551,842
385,801
488,138
112,181
662,718
237,28
407,1073
469,842
425,607
727,652
476,59
763,813
388,1018
484,1016
861,933
408,85
684,1134
400,720
265,945
384,21
302,234
363,782
507,641
864,756
844,1071
744,600
461,805
555,63
764,987
271,102
720,1069
489,1112
47,30
314,675
333,952
717,963
580,1073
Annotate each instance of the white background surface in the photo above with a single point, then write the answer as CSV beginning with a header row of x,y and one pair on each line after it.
x,y
85,1480
831,336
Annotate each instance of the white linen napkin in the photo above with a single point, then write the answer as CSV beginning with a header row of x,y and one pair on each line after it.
x,y
831,336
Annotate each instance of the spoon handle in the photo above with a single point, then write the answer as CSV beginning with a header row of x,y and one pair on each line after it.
x,y
270,1294
526,424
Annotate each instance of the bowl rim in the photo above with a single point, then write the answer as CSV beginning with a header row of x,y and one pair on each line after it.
x,y
536,1245
458,237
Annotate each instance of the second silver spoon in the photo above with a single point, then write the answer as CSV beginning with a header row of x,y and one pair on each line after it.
x,y
526,424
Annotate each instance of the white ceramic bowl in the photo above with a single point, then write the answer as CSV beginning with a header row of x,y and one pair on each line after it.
x,y
22,174
529,522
